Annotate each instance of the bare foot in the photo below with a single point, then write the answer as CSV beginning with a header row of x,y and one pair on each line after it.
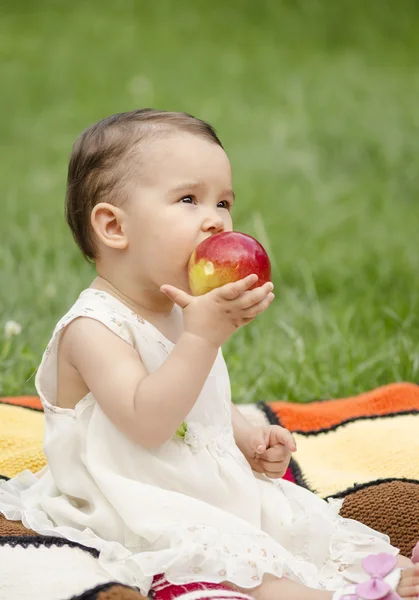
x,y
408,587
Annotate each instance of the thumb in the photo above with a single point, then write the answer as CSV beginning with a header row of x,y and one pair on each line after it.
x,y
258,442
178,296
280,435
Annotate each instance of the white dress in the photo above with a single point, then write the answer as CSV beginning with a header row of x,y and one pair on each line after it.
x,y
192,508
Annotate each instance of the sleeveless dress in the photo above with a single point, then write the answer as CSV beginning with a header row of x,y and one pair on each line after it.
x,y
191,509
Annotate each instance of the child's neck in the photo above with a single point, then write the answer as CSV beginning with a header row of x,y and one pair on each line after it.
x,y
141,302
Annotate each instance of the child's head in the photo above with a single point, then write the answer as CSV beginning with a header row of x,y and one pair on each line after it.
x,y
144,188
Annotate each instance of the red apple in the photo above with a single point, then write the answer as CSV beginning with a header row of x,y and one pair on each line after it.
x,y
226,257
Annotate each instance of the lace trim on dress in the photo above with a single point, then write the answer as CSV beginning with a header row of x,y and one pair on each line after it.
x,y
200,550
345,549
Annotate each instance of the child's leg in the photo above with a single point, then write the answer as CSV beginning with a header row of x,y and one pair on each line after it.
x,y
403,562
274,588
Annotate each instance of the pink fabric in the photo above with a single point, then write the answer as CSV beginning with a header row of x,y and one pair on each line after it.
x,y
377,566
161,589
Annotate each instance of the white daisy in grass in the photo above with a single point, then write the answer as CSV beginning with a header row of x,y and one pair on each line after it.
x,y
12,328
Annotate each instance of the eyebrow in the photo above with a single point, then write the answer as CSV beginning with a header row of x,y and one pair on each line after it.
x,y
198,185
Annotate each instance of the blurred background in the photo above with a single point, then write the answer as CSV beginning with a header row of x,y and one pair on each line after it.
x,y
317,105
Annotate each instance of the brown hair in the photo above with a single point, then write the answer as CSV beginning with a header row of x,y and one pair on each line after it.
x,y
99,164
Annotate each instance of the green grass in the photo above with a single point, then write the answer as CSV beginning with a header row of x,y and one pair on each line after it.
x,y
317,105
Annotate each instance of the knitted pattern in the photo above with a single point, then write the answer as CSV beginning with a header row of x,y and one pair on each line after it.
x,y
21,432
363,449
388,506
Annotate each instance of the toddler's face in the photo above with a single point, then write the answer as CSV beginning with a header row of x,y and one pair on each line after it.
x,y
184,196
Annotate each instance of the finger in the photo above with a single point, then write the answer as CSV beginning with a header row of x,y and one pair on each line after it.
x,y
407,581
274,475
256,466
276,453
257,308
273,467
408,591
246,320
231,291
280,435
252,297
178,296
258,445
258,440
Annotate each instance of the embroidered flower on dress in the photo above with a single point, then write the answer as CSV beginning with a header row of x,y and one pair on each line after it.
x,y
100,294
194,528
113,320
181,431
197,569
217,439
138,318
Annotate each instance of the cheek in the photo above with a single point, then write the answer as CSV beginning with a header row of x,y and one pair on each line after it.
x,y
171,242
228,222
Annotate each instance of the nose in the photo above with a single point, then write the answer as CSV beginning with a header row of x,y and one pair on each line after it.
x,y
213,223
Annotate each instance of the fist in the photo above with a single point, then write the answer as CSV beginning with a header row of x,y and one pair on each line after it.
x,y
269,449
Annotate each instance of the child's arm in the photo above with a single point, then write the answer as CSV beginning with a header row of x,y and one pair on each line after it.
x,y
267,448
241,427
148,408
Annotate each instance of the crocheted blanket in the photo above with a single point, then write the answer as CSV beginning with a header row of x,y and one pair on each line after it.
x,y
364,449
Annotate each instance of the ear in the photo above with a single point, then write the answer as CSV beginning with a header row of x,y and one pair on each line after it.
x,y
108,222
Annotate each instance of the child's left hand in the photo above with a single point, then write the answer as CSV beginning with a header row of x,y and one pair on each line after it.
x,y
268,450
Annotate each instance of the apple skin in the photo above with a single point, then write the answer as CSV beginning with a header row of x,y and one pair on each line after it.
x,y
226,257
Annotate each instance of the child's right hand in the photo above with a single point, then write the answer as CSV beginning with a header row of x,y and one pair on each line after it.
x,y
216,315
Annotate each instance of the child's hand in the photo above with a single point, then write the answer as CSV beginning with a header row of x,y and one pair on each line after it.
x,y
215,316
268,450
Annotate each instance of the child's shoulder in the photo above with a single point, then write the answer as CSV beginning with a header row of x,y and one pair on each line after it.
x,y
99,306
87,329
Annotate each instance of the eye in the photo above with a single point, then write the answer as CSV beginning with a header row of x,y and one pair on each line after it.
x,y
226,203
191,198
